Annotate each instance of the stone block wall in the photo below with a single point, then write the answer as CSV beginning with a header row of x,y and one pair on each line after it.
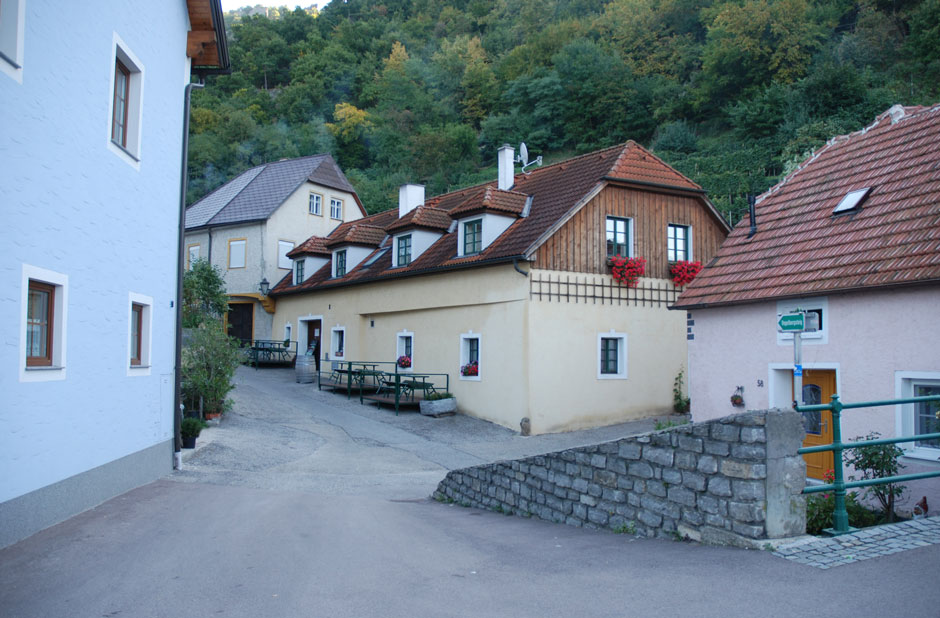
x,y
736,480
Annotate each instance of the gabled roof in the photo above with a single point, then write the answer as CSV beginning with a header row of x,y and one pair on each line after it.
x,y
423,216
552,194
356,233
802,247
255,194
312,246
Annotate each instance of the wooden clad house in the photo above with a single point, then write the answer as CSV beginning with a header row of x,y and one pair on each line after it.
x,y
514,276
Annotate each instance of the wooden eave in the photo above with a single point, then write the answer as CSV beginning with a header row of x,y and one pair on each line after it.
x,y
206,44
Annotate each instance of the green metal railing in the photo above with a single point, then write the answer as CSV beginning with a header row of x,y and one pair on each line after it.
x,y
356,374
840,517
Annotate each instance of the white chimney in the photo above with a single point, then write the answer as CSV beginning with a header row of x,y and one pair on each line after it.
x,y
409,198
505,159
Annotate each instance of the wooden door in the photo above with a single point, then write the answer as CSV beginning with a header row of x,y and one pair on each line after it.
x,y
313,339
819,385
240,321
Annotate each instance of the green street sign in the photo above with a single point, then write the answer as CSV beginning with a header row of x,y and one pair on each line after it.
x,y
790,322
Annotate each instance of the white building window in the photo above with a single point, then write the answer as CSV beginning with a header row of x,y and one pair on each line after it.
x,y
12,26
338,342
315,205
404,350
299,271
612,356
283,248
192,254
287,329
126,95
236,252
819,306
470,356
918,418
678,243
336,209
43,319
139,333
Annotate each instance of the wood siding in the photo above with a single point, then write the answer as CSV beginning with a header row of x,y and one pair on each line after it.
x,y
580,244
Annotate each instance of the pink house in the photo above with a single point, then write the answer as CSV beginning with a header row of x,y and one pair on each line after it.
x,y
852,235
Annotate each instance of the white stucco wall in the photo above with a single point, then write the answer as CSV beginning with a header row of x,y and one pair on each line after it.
x,y
73,206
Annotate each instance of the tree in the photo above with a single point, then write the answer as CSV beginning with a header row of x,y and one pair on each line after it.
x,y
204,297
209,361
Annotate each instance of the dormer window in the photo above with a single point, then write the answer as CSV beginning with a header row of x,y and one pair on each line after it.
x,y
851,201
403,254
339,263
473,237
299,271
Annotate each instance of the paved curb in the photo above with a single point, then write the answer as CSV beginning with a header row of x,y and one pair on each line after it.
x,y
826,553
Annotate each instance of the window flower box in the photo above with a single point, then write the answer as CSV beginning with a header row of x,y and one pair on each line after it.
x,y
404,361
470,369
627,271
683,271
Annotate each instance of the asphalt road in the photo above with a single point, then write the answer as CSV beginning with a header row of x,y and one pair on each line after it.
x,y
300,504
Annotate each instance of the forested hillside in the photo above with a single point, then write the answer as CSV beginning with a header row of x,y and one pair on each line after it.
x,y
732,93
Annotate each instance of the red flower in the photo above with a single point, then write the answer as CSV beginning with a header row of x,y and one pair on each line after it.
x,y
684,271
627,270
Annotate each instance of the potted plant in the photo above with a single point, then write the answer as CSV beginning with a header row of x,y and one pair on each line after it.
x,y
437,404
470,369
737,399
190,429
627,270
404,361
684,271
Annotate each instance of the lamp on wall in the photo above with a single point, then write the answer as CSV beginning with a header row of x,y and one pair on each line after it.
x,y
264,286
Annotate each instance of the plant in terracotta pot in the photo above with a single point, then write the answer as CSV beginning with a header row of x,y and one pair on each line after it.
x,y
190,428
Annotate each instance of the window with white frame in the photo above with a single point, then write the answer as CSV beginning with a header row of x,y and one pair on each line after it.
x,y
139,334
315,205
678,243
921,417
283,248
819,306
126,102
618,235
612,356
12,23
299,271
473,237
236,252
336,209
287,333
470,356
404,347
192,254
338,342
44,306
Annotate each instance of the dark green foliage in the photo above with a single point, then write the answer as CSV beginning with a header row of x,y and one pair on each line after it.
x,y
204,297
210,359
191,427
819,509
875,462
734,93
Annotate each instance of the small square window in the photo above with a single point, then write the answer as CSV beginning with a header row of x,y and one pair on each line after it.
x,y
336,209
404,250
612,356
618,237
473,237
316,204
677,243
283,248
339,263
609,355
43,319
236,253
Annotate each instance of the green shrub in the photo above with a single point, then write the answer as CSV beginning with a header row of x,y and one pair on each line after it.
x,y
680,403
876,462
819,509
191,427
439,395
209,363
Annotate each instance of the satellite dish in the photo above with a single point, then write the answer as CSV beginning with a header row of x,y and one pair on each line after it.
x,y
523,154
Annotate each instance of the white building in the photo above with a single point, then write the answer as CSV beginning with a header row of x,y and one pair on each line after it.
x,y
91,142
247,227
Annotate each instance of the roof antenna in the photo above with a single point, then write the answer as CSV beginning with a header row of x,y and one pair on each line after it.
x,y
751,201
524,157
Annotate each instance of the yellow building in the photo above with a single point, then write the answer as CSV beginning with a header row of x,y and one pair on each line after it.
x,y
507,287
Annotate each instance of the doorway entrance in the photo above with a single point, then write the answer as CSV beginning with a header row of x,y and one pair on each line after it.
x,y
313,339
240,321
819,385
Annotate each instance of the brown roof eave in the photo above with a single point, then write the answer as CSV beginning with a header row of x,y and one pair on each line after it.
x,y
403,274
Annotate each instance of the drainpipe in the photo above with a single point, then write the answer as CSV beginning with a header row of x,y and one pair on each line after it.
x,y
180,247
515,264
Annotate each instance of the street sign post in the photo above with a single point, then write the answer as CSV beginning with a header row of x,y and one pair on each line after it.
x,y
797,322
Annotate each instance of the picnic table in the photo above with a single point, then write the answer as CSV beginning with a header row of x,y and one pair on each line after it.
x,y
407,383
269,352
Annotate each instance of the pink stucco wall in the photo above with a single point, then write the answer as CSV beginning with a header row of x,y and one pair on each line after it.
x,y
871,337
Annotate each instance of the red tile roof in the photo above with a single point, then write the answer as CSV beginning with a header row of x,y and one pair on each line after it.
x,y
801,248
556,192
312,246
356,233
423,216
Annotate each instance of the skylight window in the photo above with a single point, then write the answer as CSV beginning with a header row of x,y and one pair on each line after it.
x,y
851,201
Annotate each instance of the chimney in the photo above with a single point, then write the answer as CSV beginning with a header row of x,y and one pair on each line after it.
x,y
751,201
507,171
409,198
897,112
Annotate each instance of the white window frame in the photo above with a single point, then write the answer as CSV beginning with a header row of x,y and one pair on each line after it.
x,y
621,355
287,331
192,254
400,348
243,243
465,355
336,333
904,382
688,242
336,209
12,29
315,206
131,151
631,237
60,281
146,333
820,303
283,248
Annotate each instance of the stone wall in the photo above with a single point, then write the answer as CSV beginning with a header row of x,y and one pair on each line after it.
x,y
735,480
